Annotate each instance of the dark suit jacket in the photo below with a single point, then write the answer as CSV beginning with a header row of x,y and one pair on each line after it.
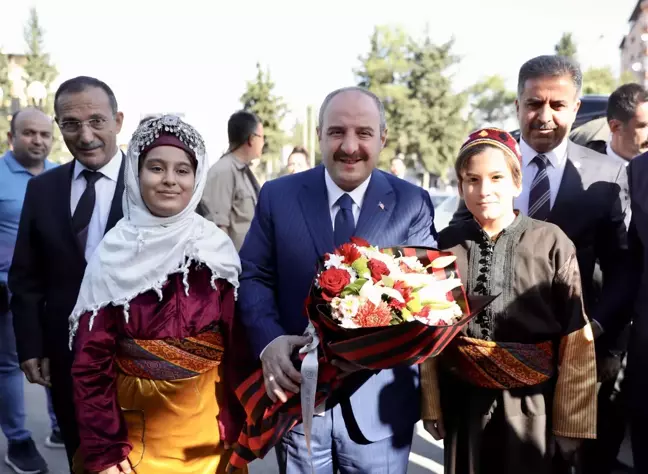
x,y
638,242
290,231
48,264
590,208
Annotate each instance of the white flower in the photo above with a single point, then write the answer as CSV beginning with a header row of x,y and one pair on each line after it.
x,y
371,292
349,306
334,261
413,262
349,324
437,290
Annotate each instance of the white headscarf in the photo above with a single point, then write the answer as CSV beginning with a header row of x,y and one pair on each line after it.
x,y
142,250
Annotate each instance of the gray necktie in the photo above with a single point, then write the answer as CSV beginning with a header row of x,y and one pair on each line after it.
x,y
540,194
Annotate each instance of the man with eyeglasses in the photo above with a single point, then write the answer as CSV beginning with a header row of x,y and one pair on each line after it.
x,y
65,215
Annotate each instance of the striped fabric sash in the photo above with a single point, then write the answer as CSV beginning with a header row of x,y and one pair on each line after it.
x,y
500,365
171,358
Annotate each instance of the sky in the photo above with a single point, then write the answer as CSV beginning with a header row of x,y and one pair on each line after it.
x,y
195,56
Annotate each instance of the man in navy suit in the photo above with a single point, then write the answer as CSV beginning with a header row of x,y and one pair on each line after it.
x,y
298,219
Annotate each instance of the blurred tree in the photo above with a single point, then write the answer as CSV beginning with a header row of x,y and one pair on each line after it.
x,y
492,104
260,98
566,46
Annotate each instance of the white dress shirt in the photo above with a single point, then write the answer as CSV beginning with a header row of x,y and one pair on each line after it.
x,y
105,189
335,192
556,160
612,154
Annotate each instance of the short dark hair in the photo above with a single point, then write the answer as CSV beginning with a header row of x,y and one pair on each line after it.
x,y
550,66
623,102
298,149
81,83
12,124
240,127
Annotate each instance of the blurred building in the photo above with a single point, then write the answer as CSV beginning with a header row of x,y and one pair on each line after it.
x,y
634,46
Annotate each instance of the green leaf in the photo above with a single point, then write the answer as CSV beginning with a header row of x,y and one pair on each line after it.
x,y
354,288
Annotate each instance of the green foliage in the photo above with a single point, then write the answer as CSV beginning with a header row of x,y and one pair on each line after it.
x,y
423,113
566,46
492,103
599,80
260,98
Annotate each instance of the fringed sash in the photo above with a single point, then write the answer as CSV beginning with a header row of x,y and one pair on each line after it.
x,y
500,365
172,358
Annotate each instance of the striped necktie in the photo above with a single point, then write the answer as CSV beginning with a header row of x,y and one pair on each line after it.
x,y
540,194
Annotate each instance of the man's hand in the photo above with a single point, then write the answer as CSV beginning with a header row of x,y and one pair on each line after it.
x,y
568,446
279,373
123,466
435,428
37,371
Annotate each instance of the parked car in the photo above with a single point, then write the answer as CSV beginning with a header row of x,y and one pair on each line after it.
x,y
443,212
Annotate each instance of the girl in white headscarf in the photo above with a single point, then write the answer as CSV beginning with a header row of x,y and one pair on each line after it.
x,y
152,326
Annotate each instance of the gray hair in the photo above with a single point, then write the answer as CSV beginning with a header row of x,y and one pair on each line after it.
x,y
550,66
367,92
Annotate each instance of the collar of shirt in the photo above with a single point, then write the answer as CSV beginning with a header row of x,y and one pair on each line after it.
x,y
556,157
238,163
110,170
334,191
612,154
15,167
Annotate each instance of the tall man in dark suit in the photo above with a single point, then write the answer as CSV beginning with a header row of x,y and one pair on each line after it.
x,y
636,381
627,117
300,218
576,188
66,212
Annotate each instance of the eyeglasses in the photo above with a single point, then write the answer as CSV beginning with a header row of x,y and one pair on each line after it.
x,y
73,126
260,136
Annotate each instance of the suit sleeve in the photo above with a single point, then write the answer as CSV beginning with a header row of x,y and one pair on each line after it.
x,y
26,281
613,256
422,231
575,402
256,304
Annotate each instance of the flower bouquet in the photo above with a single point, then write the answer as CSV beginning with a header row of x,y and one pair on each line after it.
x,y
374,308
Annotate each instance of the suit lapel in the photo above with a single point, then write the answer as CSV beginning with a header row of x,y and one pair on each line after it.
x,y
313,200
571,185
116,212
377,207
64,207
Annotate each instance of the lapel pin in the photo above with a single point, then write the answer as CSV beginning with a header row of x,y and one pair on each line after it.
x,y
381,206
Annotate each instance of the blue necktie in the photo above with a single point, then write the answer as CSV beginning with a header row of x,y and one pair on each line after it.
x,y
344,222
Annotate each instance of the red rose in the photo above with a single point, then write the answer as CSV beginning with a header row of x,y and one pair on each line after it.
x,y
333,281
360,242
377,269
349,252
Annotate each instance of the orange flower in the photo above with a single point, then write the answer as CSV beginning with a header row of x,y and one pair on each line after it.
x,y
371,316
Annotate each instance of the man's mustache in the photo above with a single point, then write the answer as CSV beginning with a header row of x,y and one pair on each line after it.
x,y
340,155
543,126
89,147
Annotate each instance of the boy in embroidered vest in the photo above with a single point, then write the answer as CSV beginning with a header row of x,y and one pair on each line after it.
x,y
520,383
